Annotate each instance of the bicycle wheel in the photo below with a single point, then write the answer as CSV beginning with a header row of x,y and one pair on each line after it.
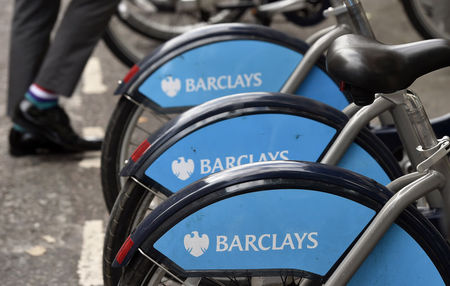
x,y
328,206
225,39
140,25
127,127
125,214
126,44
133,204
255,116
430,18
312,14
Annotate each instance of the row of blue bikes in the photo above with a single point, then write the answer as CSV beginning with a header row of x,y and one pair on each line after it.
x,y
239,155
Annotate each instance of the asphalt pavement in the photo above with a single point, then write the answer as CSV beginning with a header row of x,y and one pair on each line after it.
x,y
52,214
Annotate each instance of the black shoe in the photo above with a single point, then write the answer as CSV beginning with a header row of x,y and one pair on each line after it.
x,y
52,124
27,143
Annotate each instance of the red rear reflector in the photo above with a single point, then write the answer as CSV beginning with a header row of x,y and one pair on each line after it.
x,y
140,150
126,246
342,86
134,69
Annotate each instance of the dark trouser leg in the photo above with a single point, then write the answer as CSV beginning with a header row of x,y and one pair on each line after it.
x,y
81,28
32,24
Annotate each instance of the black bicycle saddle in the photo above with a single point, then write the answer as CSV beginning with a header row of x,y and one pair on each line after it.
x,y
366,66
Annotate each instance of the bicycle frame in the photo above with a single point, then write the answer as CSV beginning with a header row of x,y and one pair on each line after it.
x,y
281,6
350,17
433,174
393,103
320,42
410,187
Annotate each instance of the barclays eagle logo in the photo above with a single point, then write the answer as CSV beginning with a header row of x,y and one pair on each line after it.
x,y
171,86
183,169
196,245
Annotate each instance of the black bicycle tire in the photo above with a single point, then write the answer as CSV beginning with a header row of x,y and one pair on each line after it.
x,y
122,214
118,49
112,142
294,18
164,36
415,19
137,268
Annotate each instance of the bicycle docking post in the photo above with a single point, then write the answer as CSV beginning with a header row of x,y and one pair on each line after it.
x,y
432,152
414,130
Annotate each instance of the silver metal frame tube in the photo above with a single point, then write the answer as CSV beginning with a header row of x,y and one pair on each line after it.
x,y
381,223
410,140
351,109
317,35
281,6
311,57
353,127
403,181
359,18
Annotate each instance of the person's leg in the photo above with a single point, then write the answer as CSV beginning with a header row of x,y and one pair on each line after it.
x,y
31,28
81,28
76,37
32,24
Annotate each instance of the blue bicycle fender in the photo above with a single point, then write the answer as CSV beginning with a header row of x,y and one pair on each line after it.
x,y
248,128
220,60
215,225
225,107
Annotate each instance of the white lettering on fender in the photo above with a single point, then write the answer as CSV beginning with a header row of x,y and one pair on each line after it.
x,y
268,242
190,85
260,242
250,241
208,166
220,83
222,244
183,168
205,166
314,241
211,83
258,80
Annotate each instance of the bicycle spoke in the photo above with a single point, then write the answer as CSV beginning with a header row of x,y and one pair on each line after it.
x,y
143,130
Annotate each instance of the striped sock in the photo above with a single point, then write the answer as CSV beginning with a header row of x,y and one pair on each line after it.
x,y
41,97
19,128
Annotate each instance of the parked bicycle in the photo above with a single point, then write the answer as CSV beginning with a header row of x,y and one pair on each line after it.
x,y
171,66
160,180
132,32
430,18
141,198
309,223
162,20
146,106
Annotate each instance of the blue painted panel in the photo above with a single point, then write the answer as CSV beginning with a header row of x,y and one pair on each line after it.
x,y
238,141
231,67
295,229
356,159
397,260
319,86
